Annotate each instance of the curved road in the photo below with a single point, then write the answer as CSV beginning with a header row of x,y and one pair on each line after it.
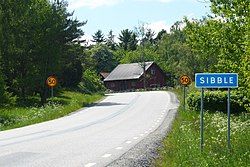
x,y
94,136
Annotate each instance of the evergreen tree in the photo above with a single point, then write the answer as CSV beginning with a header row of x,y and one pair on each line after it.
x,y
149,36
110,41
36,37
133,42
128,40
160,35
98,37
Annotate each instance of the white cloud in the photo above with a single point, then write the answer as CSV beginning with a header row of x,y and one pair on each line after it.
x,y
162,1
74,4
165,1
88,39
158,26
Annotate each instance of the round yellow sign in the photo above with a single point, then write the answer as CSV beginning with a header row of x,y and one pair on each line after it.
x,y
185,80
51,81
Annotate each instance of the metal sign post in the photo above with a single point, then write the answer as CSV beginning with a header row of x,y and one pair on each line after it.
x,y
51,82
228,121
202,121
184,88
185,81
215,80
52,92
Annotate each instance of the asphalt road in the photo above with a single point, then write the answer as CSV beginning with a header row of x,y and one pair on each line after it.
x,y
94,136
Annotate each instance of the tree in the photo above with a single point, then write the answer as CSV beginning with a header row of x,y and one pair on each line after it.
x,y
1,76
71,73
175,56
176,30
110,41
104,59
133,42
149,36
91,82
160,35
128,40
141,32
16,44
234,54
98,37
36,36
222,41
202,37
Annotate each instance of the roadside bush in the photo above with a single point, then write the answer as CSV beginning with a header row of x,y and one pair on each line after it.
x,y
217,101
6,120
91,83
6,98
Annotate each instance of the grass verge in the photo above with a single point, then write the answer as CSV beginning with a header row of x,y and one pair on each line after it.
x,y
66,102
182,145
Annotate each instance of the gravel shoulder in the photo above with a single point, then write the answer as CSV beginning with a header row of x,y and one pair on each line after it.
x,y
146,151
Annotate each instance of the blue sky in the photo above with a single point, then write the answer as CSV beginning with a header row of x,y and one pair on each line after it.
x,y
121,14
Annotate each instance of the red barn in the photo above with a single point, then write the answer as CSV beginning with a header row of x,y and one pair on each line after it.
x,y
103,75
130,77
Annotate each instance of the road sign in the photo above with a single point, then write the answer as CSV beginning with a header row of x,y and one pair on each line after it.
x,y
51,81
185,80
216,80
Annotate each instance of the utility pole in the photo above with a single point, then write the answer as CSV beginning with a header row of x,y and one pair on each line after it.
x,y
144,67
141,34
144,75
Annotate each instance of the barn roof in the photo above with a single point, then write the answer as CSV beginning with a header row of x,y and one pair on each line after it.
x,y
104,74
127,71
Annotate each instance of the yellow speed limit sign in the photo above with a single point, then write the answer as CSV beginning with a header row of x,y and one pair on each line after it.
x,y
51,81
185,80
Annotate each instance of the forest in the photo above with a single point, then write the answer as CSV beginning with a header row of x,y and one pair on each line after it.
x,y
40,38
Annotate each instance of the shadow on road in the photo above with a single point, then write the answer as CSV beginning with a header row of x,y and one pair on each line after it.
x,y
108,104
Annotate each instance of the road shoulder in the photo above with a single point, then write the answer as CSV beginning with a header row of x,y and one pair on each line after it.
x,y
146,151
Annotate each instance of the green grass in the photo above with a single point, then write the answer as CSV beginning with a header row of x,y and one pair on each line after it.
x,y
182,145
65,103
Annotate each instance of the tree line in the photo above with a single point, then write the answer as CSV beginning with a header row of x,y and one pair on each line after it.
x,y
40,38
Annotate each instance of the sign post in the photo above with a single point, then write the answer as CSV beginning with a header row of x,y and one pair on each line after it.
x,y
228,119
202,120
185,81
216,80
51,82
184,98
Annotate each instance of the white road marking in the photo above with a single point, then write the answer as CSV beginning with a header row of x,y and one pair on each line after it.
x,y
89,164
106,155
158,121
150,129
135,138
128,142
118,148
146,132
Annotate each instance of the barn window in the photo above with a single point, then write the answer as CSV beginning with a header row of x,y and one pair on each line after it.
x,y
152,72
